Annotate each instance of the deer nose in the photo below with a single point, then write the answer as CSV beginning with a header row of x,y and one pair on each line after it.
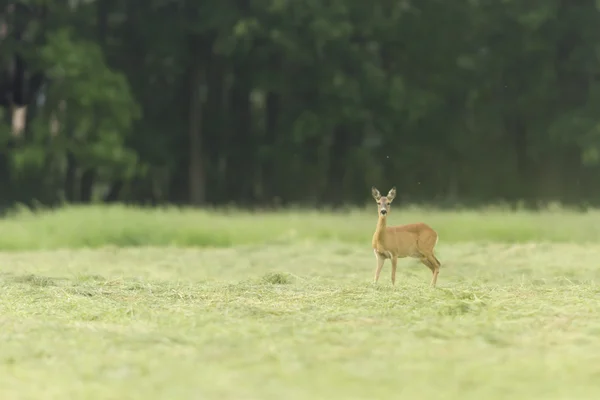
x,y
383,212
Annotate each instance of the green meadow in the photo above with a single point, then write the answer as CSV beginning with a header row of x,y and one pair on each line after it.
x,y
126,303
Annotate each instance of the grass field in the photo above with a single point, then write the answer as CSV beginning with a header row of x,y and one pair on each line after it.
x,y
77,227
129,304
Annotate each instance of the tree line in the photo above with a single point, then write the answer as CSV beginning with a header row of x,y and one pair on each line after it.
x,y
274,102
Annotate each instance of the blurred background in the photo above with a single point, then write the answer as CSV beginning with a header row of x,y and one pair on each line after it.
x,y
275,102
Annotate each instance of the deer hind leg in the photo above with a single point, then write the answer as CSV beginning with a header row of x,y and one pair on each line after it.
x,y
434,265
426,262
380,261
430,262
438,264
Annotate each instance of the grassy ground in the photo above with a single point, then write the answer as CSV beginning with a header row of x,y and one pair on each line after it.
x,y
278,317
77,227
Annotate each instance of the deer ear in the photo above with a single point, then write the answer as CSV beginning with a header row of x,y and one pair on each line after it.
x,y
375,193
391,194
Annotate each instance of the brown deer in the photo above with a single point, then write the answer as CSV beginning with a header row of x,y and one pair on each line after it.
x,y
393,242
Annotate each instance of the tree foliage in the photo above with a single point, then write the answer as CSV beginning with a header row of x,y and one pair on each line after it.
x,y
265,102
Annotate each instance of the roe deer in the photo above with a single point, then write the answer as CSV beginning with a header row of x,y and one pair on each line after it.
x,y
393,242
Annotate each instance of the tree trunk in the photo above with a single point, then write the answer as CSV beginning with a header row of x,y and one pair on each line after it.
x,y
70,178
520,145
112,195
272,110
241,157
86,185
216,136
196,173
573,88
88,178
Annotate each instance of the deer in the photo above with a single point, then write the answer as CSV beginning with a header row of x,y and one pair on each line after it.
x,y
416,240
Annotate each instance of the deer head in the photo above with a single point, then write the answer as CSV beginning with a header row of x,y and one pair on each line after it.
x,y
383,202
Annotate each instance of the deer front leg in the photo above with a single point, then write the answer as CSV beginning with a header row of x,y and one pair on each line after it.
x,y
380,261
394,265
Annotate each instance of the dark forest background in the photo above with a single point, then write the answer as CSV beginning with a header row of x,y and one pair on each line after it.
x,y
266,102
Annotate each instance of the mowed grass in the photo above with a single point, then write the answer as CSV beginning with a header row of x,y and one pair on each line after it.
x,y
271,314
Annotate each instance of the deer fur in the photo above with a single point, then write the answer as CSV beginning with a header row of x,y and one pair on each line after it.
x,y
392,242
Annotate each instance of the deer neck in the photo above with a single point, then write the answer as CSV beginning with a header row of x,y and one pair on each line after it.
x,y
380,230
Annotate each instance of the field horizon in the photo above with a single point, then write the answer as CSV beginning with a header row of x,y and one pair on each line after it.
x,y
119,303
127,226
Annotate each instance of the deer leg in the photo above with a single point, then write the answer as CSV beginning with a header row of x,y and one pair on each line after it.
x,y
394,265
431,266
437,264
434,265
380,261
